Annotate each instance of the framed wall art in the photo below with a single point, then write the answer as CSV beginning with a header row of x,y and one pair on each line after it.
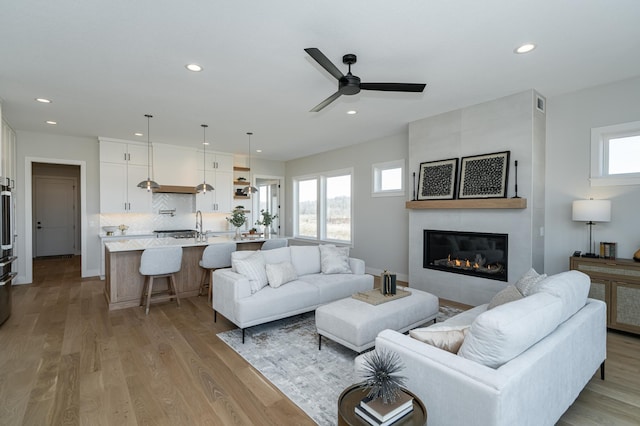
x,y
437,180
484,176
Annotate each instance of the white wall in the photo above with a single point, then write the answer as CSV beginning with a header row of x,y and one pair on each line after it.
x,y
380,223
570,118
59,148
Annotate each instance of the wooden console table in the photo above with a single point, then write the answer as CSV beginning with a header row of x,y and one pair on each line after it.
x,y
616,282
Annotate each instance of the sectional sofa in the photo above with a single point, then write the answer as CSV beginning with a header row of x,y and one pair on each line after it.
x,y
523,362
268,285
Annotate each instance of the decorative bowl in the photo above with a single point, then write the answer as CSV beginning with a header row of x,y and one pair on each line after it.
x,y
109,229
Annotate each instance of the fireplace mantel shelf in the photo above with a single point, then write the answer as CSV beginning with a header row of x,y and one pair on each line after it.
x,y
484,203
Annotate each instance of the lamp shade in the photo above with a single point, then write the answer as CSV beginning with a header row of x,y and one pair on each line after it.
x,y
591,211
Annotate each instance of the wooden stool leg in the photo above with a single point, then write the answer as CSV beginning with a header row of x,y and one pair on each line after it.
x,y
203,279
210,297
144,291
149,290
172,283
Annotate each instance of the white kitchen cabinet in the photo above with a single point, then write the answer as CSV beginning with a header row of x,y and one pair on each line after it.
x,y
121,169
216,161
219,200
7,155
177,166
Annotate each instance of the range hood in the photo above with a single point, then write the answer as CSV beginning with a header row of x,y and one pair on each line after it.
x,y
171,189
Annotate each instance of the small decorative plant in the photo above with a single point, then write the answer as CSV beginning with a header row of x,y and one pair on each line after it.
x,y
379,374
238,218
267,218
253,230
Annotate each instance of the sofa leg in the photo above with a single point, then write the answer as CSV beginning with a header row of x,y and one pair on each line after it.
x,y
602,371
319,342
243,336
215,316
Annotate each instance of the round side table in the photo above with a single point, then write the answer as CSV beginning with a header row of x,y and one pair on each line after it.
x,y
352,396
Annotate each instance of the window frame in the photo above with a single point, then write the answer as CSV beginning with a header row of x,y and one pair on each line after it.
x,y
376,178
321,205
600,137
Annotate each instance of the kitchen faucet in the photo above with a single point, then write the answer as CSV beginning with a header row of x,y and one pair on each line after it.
x,y
199,234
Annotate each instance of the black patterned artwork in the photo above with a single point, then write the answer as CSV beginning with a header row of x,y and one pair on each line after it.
x,y
484,176
437,180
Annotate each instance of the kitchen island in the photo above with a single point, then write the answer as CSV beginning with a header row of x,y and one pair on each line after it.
x,y
124,283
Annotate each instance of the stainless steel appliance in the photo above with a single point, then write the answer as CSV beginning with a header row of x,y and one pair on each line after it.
x,y
176,233
6,252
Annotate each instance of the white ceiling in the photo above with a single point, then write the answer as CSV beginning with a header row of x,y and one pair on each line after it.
x,y
107,63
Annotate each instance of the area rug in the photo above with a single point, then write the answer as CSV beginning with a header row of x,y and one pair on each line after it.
x,y
286,353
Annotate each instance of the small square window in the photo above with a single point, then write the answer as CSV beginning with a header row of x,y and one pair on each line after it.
x,y
614,154
388,179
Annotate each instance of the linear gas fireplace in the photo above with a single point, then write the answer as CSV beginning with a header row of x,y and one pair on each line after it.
x,y
470,253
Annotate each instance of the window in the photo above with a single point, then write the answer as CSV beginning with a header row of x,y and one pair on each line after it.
x,y
614,155
388,179
323,206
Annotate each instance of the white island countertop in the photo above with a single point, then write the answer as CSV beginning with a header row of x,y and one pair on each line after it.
x,y
143,243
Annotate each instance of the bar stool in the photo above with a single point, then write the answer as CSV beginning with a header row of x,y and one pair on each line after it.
x,y
274,243
160,262
214,256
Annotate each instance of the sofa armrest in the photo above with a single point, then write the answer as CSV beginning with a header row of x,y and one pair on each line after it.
x,y
356,265
227,288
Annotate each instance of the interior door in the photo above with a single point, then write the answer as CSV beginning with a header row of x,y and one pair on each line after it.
x,y
54,222
269,200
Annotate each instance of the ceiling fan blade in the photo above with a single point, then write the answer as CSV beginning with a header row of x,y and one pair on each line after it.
x,y
393,87
324,62
326,102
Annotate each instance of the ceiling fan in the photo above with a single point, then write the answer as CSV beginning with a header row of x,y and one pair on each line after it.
x,y
350,84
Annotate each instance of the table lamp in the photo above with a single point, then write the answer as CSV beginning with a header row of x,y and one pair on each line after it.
x,y
591,211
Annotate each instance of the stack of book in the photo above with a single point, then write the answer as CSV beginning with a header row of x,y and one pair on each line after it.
x,y
377,413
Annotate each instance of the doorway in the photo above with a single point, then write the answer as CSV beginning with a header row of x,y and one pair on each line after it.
x,y
269,199
55,214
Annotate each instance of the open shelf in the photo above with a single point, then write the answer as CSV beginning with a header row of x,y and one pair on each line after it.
x,y
484,203
241,169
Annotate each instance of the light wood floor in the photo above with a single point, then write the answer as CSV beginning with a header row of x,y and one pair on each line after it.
x,y
64,359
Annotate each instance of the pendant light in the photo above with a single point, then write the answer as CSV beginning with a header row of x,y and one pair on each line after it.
x,y
204,186
249,189
148,184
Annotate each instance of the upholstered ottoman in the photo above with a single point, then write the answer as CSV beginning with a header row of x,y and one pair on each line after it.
x,y
355,324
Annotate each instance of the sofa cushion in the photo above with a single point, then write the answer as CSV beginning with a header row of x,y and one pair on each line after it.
x,y
442,336
280,273
501,334
334,260
253,268
306,259
571,287
528,281
506,295
278,255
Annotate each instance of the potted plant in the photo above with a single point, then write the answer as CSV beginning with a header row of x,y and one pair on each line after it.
x,y
253,231
237,219
267,220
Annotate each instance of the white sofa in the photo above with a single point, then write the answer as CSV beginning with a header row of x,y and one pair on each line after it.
x,y
238,298
521,363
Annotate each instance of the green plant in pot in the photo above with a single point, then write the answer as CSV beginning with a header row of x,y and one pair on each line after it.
x,y
237,219
266,221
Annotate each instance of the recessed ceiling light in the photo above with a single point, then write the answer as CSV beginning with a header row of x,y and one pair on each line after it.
x,y
43,100
205,143
258,150
352,112
138,134
193,67
53,123
525,48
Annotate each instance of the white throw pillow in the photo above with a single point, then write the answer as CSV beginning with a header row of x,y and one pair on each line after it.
x,y
278,255
446,337
506,295
334,260
528,281
240,255
253,269
306,259
280,273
